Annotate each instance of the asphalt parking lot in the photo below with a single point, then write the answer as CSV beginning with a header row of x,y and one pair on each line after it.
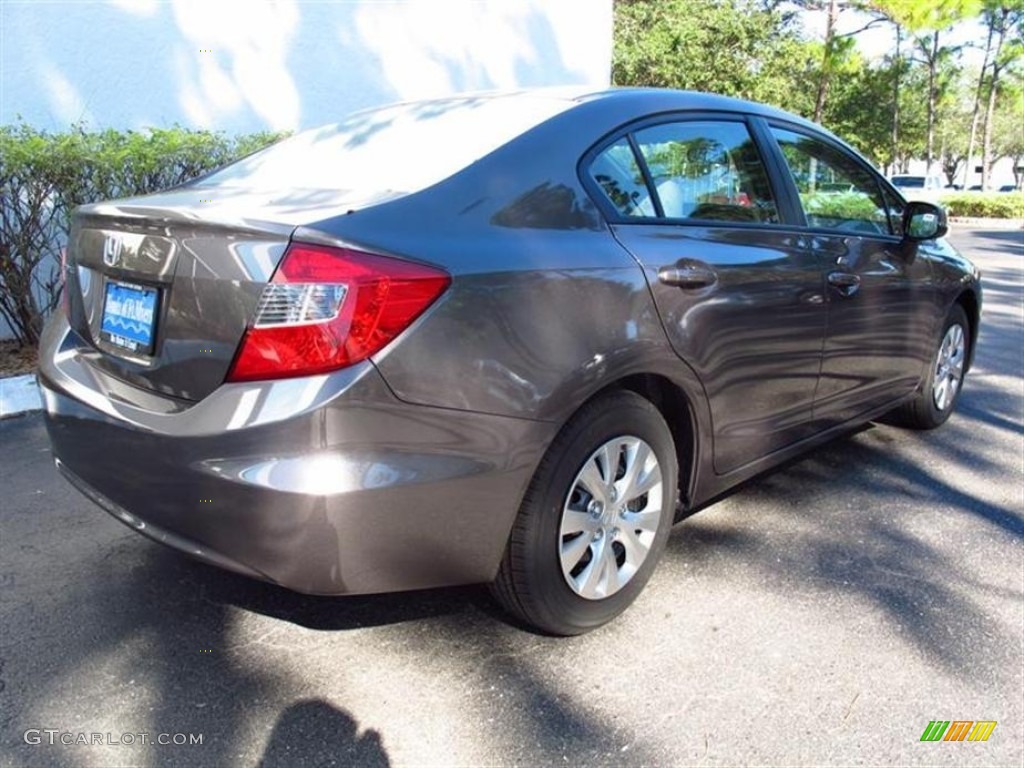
x,y
821,615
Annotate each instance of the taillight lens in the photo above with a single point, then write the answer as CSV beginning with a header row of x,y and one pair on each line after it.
x,y
327,308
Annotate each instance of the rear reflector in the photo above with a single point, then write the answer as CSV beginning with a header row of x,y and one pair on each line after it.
x,y
327,308
283,304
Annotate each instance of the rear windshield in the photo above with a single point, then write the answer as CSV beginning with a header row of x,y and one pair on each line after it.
x,y
393,150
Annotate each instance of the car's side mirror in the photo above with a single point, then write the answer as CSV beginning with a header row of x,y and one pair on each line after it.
x,y
924,221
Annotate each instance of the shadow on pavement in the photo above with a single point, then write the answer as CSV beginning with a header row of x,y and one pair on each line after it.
x,y
882,552
1004,237
153,633
132,637
316,733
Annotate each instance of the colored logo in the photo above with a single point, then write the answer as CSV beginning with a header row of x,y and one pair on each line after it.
x,y
958,730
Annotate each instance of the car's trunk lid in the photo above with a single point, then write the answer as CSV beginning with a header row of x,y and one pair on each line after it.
x,y
161,288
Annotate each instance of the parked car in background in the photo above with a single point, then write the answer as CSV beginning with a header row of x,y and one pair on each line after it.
x,y
1008,188
915,187
505,339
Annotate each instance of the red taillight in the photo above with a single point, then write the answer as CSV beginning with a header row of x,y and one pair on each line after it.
x,y
327,308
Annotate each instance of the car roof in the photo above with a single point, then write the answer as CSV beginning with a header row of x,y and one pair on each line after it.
x,y
651,101
689,100
643,100
621,104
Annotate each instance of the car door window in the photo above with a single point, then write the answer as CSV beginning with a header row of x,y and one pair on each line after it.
x,y
617,173
895,209
836,191
707,170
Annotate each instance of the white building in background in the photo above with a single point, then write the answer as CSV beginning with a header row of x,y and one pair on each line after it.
x,y
248,65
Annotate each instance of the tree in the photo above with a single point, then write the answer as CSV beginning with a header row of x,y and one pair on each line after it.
x,y
853,110
954,119
757,49
897,67
1008,125
739,48
926,23
836,47
976,111
1005,21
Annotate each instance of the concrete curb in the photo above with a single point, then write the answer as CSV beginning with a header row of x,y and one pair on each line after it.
x,y
19,394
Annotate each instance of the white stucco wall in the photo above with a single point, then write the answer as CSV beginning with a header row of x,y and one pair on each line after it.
x,y
243,65
248,65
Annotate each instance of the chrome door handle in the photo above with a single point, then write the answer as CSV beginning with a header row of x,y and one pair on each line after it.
x,y
688,274
846,283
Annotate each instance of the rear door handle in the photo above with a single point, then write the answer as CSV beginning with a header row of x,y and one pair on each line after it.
x,y
688,274
846,283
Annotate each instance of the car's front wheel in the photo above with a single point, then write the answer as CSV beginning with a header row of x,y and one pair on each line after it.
x,y
939,391
594,520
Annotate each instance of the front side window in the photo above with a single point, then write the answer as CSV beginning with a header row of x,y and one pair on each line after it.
x,y
836,191
707,170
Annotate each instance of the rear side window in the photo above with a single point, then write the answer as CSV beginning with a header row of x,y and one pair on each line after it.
x,y
698,170
619,176
836,191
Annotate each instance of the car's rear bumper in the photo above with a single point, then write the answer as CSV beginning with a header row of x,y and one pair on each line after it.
x,y
327,485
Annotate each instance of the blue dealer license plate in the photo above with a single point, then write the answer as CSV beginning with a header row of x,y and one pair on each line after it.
x,y
129,316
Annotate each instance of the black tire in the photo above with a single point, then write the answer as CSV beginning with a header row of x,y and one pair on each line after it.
x,y
923,412
530,583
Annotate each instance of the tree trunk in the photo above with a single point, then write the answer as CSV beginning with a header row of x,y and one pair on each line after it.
x,y
897,64
933,98
976,114
986,145
826,60
990,109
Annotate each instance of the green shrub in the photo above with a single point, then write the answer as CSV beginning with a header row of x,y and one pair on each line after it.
x,y
44,176
986,205
844,206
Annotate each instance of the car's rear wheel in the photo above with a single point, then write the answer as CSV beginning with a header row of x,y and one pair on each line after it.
x,y
594,520
940,390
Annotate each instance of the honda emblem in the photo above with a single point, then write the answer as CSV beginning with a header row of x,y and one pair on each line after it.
x,y
111,250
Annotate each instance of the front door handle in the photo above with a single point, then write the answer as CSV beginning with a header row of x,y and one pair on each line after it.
x,y
846,283
688,274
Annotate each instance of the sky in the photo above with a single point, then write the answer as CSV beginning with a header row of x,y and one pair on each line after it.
x,y
880,40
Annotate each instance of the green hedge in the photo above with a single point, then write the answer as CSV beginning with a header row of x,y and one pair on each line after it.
x,y
986,205
43,176
848,206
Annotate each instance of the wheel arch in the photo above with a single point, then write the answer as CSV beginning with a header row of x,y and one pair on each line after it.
x,y
968,300
677,409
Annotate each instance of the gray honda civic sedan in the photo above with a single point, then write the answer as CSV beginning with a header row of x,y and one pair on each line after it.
x,y
504,339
